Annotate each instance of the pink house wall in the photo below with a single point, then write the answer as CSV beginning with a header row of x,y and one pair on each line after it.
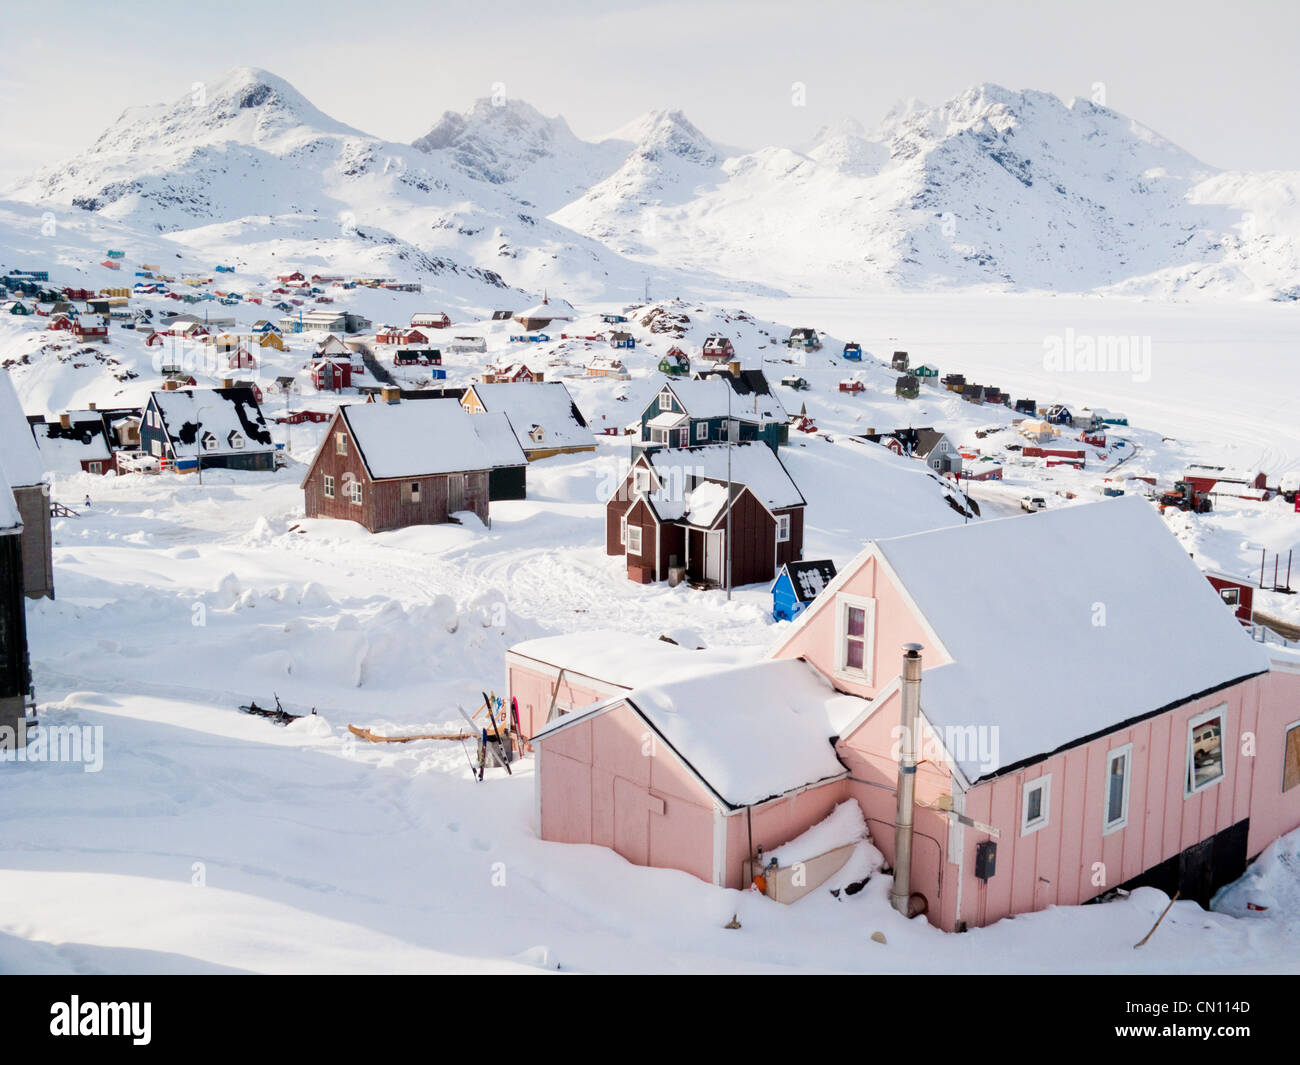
x,y
532,686
1072,859
608,781
1272,811
895,625
776,822
870,754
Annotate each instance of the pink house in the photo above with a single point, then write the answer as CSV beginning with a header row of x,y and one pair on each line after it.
x,y
1091,718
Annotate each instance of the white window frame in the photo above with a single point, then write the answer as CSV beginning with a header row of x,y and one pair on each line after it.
x,y
327,485
340,443
701,430
354,490
641,481
237,441
842,603
783,528
1044,785
209,441
1108,826
1221,712
622,530
665,400
413,492
634,541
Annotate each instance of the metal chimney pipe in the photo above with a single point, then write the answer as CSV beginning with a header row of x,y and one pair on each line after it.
x,y
900,894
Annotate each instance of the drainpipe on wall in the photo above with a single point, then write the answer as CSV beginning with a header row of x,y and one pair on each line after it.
x,y
900,894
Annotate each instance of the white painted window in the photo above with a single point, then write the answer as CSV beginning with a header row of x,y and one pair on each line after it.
x,y
665,400
701,430
641,481
1119,773
328,486
341,443
855,636
782,528
622,531
209,442
237,441
356,492
1035,810
1205,742
633,540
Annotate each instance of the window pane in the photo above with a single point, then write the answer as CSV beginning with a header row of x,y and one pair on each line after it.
x,y
853,656
1207,753
857,621
1035,807
1115,803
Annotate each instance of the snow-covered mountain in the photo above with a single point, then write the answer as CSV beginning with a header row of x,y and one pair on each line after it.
x,y
1015,190
250,171
1011,189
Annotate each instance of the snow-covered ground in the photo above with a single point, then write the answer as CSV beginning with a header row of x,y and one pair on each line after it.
x,y
212,840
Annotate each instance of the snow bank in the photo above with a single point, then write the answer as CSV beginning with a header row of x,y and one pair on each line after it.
x,y
842,826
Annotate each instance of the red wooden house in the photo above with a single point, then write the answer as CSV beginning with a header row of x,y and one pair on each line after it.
x,y
90,327
671,513
436,320
294,278
393,464
1238,594
242,359
332,375
718,349
391,334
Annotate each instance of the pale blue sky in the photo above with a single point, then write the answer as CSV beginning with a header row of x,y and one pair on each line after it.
x,y
1220,80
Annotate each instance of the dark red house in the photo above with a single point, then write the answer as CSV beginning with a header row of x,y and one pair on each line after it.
x,y
671,513
397,463
1238,594
332,375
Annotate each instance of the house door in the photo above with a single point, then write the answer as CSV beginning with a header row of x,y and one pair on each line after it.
x,y
713,556
455,492
631,821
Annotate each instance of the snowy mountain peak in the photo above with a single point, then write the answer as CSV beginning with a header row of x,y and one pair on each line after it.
x,y
670,133
497,140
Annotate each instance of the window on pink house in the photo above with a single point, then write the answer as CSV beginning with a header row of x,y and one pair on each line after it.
x,y
855,636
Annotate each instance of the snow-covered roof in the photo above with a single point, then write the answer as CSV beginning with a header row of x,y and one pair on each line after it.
x,y
708,397
537,403
19,458
1065,624
552,307
63,450
753,464
190,413
622,660
750,732
416,438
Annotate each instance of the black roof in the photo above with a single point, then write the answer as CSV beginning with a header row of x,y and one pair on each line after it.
x,y
808,578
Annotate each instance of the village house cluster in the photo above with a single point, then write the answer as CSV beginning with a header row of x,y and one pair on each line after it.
x,y
1053,746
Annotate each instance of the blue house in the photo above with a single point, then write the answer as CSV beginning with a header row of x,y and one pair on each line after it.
x,y
613,319
622,340
853,351
797,584
223,428
688,413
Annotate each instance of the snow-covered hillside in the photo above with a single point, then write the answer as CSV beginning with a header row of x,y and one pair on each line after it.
x,y
993,188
